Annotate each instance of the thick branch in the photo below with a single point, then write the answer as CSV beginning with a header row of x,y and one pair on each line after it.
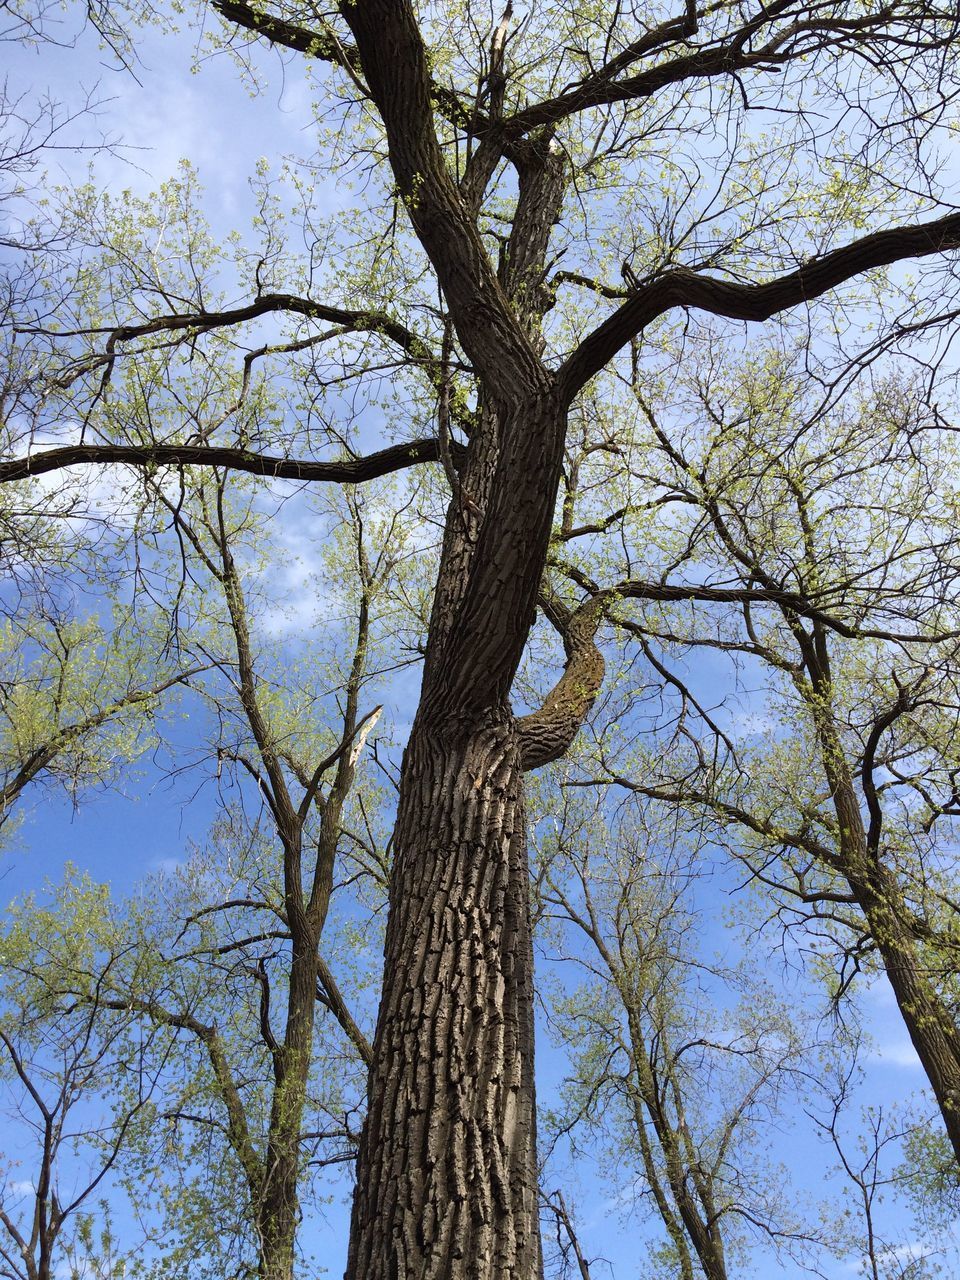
x,y
348,471
319,41
546,734
684,288
758,44
395,65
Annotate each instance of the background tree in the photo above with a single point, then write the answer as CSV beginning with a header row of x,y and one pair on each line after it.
x,y
822,546
59,1060
259,926
681,1065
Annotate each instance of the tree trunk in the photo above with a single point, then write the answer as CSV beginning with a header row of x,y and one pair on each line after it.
x,y
447,1169
929,1022
687,1186
446,1172
279,1208
448,1186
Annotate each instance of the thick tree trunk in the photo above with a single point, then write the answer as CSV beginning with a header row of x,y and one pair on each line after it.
x,y
446,1173
448,1154
447,1169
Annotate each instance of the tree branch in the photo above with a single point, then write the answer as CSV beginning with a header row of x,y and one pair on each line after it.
x,y
685,288
349,471
546,734
335,1002
396,66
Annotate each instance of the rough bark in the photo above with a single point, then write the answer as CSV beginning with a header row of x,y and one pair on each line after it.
x,y
447,1176
448,1153
930,1025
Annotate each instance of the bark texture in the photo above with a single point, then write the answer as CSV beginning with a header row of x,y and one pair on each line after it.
x,y
447,1168
449,1146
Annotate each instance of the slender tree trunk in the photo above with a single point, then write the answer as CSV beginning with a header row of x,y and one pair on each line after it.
x,y
279,1207
702,1229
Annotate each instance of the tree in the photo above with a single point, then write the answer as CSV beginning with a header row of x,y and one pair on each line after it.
x,y
681,1064
72,708
76,696
253,920
305,786
847,814
521,133
60,1059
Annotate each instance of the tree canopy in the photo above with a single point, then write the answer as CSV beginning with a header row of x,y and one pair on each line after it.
x,y
599,360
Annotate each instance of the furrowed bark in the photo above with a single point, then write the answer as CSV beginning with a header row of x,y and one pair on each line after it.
x,y
447,1169
548,733
447,1172
448,1175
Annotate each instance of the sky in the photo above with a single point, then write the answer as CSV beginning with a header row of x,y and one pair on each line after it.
x,y
167,111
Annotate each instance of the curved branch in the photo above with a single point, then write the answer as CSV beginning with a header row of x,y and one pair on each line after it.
x,y
44,754
685,288
546,734
193,322
320,41
903,704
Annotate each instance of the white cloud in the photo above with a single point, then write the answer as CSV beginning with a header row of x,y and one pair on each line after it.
x,y
891,1043
166,866
896,1052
